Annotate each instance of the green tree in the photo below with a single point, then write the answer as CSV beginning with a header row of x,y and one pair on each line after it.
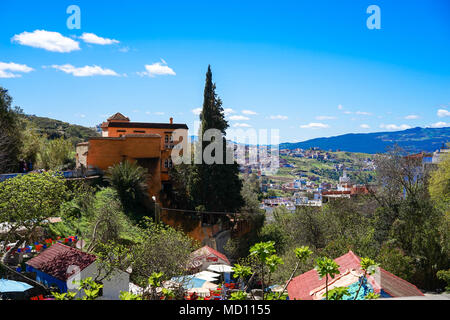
x,y
130,181
27,201
57,154
394,260
32,142
439,186
338,293
238,295
10,134
126,295
90,288
409,219
241,272
108,222
302,254
250,195
371,296
160,249
216,186
268,261
444,275
368,266
64,296
326,267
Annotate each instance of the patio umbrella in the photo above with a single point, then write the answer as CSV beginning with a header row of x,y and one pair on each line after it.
x,y
207,275
220,268
13,286
204,290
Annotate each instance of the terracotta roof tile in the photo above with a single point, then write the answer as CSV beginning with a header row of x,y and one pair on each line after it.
x,y
56,260
302,285
118,116
207,251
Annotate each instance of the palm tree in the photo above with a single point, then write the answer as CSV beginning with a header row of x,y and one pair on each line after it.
x,y
130,181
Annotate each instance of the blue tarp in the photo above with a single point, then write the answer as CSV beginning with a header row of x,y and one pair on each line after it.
x,y
13,286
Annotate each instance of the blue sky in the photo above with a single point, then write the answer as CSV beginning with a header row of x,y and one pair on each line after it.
x,y
307,68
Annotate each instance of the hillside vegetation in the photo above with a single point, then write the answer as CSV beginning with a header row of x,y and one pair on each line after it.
x,y
54,129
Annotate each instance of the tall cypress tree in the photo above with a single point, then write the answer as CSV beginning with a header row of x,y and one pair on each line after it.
x,y
215,187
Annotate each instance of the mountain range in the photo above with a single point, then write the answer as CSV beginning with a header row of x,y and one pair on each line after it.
x,y
412,140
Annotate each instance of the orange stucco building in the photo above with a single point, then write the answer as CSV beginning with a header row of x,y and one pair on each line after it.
x,y
148,144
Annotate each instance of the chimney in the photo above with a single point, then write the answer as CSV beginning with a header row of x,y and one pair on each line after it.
x,y
171,120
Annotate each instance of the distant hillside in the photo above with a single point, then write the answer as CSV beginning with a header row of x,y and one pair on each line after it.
x,y
412,140
56,128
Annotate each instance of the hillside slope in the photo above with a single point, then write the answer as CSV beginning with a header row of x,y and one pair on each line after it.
x,y
412,140
56,128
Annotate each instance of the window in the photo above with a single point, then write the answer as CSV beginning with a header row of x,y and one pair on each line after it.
x,y
168,163
139,131
166,139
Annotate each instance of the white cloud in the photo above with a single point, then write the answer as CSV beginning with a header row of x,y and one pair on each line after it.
x,y
440,124
93,38
340,107
157,69
325,118
159,113
124,49
412,117
197,111
8,70
365,126
249,112
241,125
278,117
314,125
443,113
239,118
228,111
347,112
363,113
86,71
48,40
395,127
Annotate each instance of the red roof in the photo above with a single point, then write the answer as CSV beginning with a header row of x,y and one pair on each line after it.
x,y
302,285
207,253
218,254
56,260
118,117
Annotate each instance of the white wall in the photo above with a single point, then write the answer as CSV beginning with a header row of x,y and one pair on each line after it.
x,y
112,286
